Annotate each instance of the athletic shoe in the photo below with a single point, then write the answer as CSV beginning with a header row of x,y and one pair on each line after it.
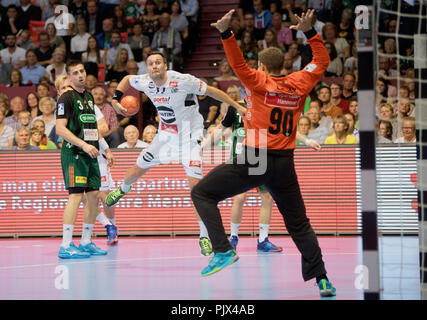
x,y
205,246
112,234
326,288
114,196
220,261
92,249
72,252
267,246
233,241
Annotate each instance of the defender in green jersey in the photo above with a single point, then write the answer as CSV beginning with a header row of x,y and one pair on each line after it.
x,y
76,124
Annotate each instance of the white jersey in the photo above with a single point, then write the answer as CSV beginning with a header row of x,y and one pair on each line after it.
x,y
181,124
107,182
175,101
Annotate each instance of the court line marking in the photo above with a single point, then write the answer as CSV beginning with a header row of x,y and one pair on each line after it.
x,y
66,262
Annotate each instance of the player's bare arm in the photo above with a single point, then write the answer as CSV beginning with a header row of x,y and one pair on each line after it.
x,y
122,87
67,135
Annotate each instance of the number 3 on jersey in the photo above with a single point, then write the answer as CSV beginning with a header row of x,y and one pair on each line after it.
x,y
281,122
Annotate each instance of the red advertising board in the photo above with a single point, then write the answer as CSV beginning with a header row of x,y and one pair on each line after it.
x,y
32,195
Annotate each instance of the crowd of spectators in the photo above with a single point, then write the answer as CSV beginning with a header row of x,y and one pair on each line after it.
x,y
331,110
94,31
111,37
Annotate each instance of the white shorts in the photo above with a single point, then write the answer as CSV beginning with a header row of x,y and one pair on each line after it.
x,y
107,182
167,147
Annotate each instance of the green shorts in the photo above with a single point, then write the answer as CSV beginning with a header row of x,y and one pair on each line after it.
x,y
80,171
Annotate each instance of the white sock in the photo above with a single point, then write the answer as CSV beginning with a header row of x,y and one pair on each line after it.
x,y
103,219
235,229
263,231
86,234
203,230
67,235
113,221
125,187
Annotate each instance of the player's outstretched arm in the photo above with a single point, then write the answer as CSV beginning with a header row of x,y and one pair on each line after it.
x,y
223,97
122,87
312,72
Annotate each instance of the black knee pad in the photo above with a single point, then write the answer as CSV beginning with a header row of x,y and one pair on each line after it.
x,y
75,190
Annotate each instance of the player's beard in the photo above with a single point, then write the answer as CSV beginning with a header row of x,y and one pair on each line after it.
x,y
78,85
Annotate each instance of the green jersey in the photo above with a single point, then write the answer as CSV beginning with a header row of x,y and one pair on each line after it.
x,y
79,109
234,120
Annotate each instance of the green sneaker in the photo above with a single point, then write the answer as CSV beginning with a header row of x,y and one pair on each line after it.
x,y
114,196
205,246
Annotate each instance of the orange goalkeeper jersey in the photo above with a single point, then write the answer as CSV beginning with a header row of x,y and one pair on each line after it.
x,y
275,103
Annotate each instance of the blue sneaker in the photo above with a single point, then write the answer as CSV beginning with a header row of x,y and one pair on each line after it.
x,y
233,241
326,288
267,246
112,234
220,261
72,252
92,249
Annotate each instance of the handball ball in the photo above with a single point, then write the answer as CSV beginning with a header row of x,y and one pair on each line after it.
x,y
131,104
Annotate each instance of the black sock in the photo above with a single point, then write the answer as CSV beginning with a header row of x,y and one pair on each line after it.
x,y
323,276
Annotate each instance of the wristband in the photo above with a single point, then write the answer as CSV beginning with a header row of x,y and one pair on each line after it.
x,y
103,145
118,95
226,34
310,33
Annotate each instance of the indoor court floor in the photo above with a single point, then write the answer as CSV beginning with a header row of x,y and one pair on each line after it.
x,y
164,268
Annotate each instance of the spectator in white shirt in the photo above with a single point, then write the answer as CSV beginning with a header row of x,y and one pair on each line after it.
x,y
79,41
57,68
47,107
330,34
6,132
408,131
13,54
64,22
93,53
131,134
116,46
